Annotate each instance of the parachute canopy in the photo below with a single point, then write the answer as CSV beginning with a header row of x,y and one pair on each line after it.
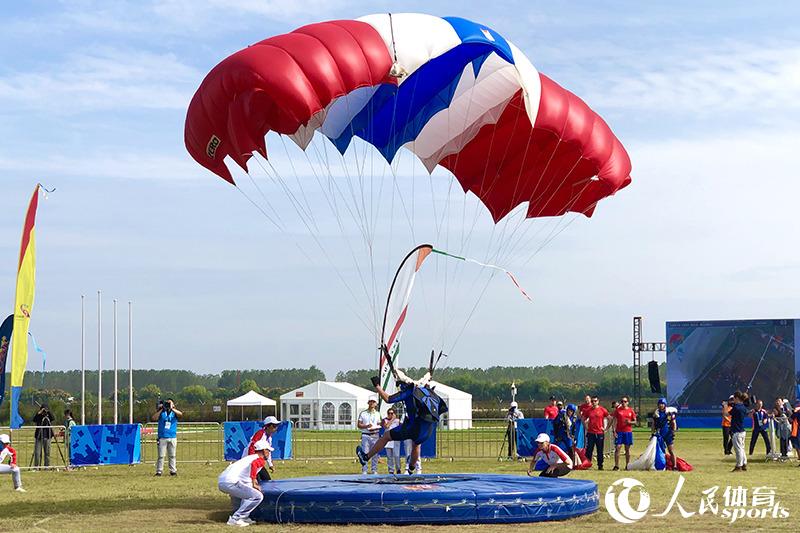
x,y
455,93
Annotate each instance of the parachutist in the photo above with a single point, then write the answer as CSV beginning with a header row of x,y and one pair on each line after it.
x,y
423,408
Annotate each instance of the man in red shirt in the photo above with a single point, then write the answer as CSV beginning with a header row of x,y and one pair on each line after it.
x,y
583,409
596,420
551,411
625,417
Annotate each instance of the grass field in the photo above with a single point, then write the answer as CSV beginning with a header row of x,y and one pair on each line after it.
x,y
130,499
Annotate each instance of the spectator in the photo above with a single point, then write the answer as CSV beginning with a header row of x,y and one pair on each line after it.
x,y
783,427
167,417
6,451
558,463
43,436
392,448
583,409
597,420
69,420
760,426
369,422
794,435
625,417
512,416
551,411
727,443
240,481
738,412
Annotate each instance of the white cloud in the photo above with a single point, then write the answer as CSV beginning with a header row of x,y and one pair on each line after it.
x,y
106,166
110,79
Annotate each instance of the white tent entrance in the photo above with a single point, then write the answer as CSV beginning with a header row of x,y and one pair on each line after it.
x,y
251,399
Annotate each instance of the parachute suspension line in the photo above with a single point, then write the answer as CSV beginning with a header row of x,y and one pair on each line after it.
x,y
257,206
314,235
559,220
309,211
266,201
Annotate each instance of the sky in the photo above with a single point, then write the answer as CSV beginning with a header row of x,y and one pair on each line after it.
x,y
93,97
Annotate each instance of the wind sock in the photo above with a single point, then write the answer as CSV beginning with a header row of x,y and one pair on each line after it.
x,y
23,306
5,340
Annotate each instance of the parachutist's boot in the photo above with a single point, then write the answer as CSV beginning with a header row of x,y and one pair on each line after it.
x,y
362,457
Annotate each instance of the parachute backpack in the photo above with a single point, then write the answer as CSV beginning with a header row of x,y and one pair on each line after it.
x,y
430,406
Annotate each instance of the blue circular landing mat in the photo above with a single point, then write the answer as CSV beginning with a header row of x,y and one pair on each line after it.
x,y
425,499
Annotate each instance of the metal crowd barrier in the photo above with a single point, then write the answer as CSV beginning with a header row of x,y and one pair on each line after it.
x,y
24,442
198,442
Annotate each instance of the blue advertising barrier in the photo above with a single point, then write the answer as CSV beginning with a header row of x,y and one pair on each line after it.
x,y
107,444
238,435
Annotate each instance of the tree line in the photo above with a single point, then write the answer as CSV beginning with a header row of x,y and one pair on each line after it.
x,y
198,394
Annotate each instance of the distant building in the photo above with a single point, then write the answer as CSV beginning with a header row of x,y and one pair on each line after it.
x,y
325,405
336,405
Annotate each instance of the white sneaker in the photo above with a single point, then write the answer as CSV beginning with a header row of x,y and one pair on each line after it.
x,y
20,489
236,522
248,520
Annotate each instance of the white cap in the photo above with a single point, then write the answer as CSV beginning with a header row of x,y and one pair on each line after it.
x,y
262,445
271,420
372,399
543,437
5,439
514,404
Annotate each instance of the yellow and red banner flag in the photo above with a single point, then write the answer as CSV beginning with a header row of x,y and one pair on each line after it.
x,y
23,306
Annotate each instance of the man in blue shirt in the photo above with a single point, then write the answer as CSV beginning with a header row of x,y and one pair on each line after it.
x,y
167,417
760,426
738,413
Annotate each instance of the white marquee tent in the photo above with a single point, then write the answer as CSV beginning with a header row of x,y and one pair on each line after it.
x,y
336,405
250,399
325,405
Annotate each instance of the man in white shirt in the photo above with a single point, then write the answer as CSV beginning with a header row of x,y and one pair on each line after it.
x,y
240,482
369,422
558,463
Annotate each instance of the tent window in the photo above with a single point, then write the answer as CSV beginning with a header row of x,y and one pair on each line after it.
x,y
345,414
328,413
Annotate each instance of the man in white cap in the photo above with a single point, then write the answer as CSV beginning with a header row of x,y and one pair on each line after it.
x,y
369,422
6,451
240,482
270,426
558,463
513,415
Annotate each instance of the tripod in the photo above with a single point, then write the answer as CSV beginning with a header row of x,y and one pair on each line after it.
x,y
509,438
58,447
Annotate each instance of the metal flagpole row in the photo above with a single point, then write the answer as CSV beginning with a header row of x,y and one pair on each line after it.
x,y
100,360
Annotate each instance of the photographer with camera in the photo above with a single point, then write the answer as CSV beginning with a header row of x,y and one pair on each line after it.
x,y
167,417
43,436
512,416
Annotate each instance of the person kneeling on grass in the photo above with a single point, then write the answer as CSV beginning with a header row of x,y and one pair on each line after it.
x,y
558,463
422,407
7,451
240,482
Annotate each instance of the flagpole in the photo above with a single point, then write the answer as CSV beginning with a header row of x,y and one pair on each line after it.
x,y
83,363
99,361
116,384
130,363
